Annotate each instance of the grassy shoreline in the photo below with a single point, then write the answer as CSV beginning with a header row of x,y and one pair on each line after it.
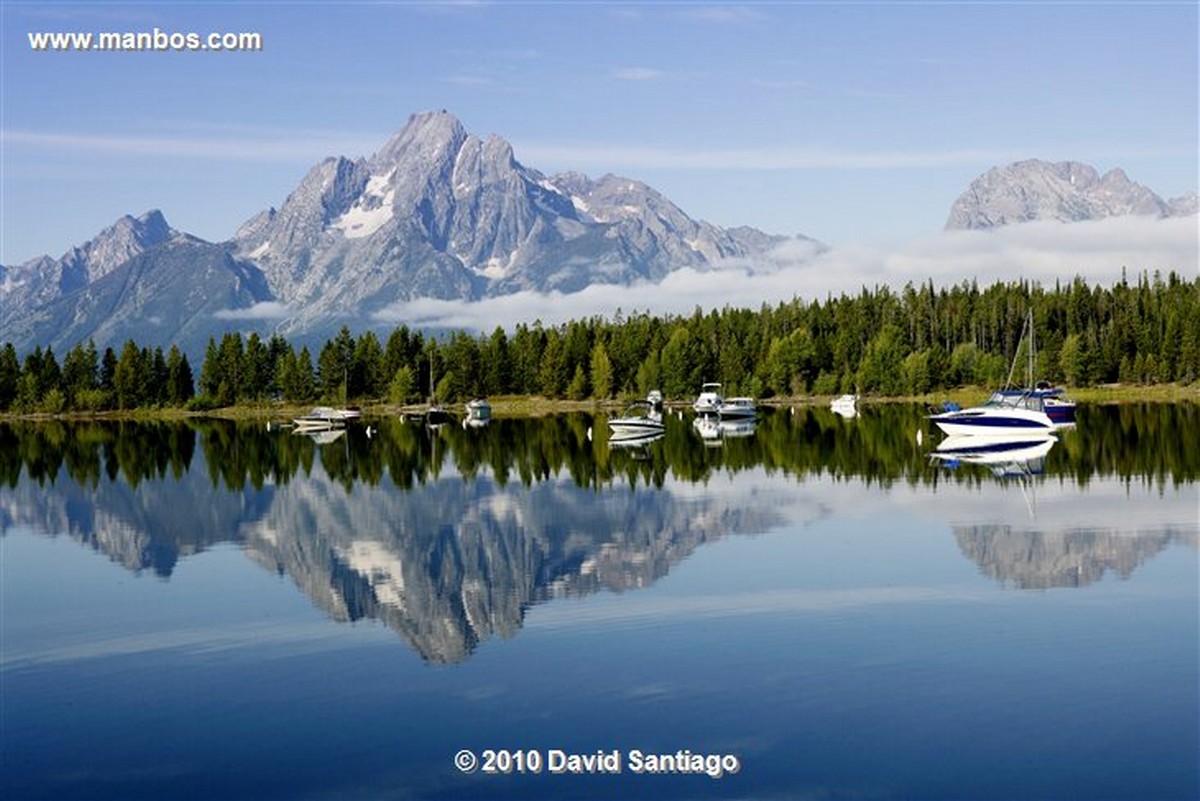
x,y
536,406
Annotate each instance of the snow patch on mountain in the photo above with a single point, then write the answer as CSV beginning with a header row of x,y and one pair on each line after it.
x,y
371,211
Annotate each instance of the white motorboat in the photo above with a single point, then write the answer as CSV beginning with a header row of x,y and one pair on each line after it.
x,y
322,417
1002,415
845,405
641,419
709,401
479,409
739,408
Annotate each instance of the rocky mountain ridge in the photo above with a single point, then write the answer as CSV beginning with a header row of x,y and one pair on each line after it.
x,y
1066,191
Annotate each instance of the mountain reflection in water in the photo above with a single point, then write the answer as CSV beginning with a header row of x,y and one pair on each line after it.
x,y
449,536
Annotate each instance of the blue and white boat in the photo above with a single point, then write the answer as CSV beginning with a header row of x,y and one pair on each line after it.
x,y
1013,411
1002,415
1054,402
1041,396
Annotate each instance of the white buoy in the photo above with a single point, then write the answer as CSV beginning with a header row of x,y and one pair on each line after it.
x,y
589,433
918,436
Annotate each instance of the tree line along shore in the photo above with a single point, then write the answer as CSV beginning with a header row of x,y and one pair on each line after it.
x,y
885,343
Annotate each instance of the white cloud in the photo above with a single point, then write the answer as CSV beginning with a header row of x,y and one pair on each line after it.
x,y
1042,252
266,310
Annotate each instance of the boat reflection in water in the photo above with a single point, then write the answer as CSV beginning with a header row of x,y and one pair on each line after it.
x,y
713,430
634,440
322,436
1005,456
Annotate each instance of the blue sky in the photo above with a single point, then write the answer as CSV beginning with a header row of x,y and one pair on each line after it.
x,y
854,123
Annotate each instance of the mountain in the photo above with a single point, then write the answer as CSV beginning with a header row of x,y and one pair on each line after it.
x,y
43,280
437,212
172,293
1067,191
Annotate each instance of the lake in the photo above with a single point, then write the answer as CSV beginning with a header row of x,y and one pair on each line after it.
x,y
811,607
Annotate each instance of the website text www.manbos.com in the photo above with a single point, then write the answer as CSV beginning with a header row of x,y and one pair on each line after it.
x,y
156,40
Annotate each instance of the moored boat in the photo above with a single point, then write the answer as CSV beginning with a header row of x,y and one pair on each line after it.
x,y
1001,415
479,409
709,401
641,419
1041,396
322,417
739,408
1057,406
845,405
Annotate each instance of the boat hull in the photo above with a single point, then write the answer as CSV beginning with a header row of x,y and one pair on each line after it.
x,y
994,423
737,409
634,427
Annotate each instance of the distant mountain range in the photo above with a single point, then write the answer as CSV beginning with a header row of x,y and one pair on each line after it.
x,y
436,213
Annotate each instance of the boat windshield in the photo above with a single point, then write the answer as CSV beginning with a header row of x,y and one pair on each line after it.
x,y
1013,400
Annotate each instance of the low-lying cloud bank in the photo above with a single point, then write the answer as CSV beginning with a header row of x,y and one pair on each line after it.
x,y
264,310
1042,252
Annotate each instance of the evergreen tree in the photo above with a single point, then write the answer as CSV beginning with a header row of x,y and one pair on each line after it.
x,y
601,372
130,377
180,387
108,370
400,390
10,376
366,367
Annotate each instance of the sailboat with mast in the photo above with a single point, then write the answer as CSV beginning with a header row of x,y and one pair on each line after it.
x,y
1010,411
1042,394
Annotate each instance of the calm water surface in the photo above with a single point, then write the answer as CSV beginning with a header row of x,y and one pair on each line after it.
x,y
815,608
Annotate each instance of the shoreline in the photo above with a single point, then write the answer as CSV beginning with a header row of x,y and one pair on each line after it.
x,y
537,406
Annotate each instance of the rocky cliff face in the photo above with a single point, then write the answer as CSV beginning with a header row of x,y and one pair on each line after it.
x,y
1066,191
